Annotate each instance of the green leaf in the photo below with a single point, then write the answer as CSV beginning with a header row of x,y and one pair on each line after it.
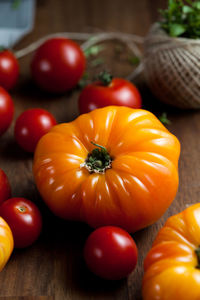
x,y
196,5
172,4
83,81
182,18
93,50
187,9
176,29
163,119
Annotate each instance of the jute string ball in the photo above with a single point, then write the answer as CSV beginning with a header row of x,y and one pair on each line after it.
x,y
171,68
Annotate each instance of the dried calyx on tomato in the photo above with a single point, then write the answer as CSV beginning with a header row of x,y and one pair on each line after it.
x,y
6,243
98,160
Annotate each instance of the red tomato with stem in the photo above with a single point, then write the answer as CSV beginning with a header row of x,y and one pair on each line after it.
x,y
24,219
9,69
109,91
110,252
5,190
31,125
58,65
6,110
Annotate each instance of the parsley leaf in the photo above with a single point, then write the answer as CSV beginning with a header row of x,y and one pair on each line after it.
x,y
182,18
163,119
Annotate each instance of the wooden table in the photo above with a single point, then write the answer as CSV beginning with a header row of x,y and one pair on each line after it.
x,y
53,267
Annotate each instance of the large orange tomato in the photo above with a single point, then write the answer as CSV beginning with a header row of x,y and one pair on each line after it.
x,y
172,267
6,243
112,166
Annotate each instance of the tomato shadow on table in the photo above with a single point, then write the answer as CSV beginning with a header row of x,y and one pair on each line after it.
x,y
68,240
89,283
11,151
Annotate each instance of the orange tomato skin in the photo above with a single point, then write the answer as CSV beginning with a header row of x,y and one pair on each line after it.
x,y
6,243
134,193
171,265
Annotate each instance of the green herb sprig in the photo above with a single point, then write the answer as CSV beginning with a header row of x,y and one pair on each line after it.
x,y
163,119
182,18
93,50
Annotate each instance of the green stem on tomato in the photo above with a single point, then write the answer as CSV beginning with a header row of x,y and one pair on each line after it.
x,y
105,78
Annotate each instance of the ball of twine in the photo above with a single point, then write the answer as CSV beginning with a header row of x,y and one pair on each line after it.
x,y
171,68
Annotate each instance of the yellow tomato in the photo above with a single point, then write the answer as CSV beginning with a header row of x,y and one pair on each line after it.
x,y
112,166
6,243
172,267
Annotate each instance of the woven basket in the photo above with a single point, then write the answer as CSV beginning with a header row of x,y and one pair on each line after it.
x,y
172,68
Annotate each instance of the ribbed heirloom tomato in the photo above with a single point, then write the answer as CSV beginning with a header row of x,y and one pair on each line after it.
x,y
6,243
172,267
112,166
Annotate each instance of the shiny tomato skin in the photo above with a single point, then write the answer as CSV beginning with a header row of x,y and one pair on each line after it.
x,y
6,110
9,69
24,219
57,65
138,188
31,125
119,92
5,190
110,252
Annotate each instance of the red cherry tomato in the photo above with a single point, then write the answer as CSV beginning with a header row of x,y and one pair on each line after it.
x,y
57,65
107,92
6,110
24,219
110,253
31,125
5,190
9,69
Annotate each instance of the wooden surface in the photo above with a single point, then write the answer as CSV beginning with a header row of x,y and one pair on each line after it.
x,y
53,267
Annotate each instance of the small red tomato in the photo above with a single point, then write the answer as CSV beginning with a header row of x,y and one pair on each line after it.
x,y
9,69
110,253
24,219
6,110
31,125
108,91
57,65
5,190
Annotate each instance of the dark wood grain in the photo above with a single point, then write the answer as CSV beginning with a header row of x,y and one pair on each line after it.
x,y
53,267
